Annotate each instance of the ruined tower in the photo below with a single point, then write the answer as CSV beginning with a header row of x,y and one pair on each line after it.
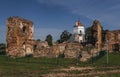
x,y
97,34
19,37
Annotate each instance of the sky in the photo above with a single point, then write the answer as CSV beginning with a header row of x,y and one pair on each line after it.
x,y
55,16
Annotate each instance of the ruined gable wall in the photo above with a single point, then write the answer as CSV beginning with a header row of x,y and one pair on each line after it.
x,y
97,34
19,37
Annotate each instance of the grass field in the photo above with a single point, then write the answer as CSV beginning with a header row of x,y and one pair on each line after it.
x,y
59,67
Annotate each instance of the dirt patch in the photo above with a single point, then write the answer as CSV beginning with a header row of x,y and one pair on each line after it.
x,y
77,68
90,71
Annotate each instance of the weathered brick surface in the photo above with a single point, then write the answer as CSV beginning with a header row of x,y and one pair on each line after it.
x,y
113,38
19,37
97,34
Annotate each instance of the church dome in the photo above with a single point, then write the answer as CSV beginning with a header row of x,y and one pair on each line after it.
x,y
78,23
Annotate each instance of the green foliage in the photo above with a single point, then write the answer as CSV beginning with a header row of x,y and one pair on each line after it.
x,y
112,57
38,40
65,36
61,56
2,49
30,55
101,54
89,35
49,39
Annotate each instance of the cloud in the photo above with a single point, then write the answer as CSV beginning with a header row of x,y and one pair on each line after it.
x,y
107,11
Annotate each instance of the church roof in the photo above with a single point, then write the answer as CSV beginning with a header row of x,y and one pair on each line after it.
x,y
78,23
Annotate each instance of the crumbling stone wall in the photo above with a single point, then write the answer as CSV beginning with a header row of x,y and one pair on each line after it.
x,y
19,37
72,50
97,34
68,49
43,50
113,38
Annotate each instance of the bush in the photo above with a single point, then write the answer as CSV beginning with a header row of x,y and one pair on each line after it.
x,y
2,49
29,55
61,56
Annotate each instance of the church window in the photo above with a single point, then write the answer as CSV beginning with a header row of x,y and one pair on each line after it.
x,y
80,33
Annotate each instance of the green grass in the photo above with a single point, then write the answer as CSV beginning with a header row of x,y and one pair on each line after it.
x,y
36,67
10,67
105,75
113,60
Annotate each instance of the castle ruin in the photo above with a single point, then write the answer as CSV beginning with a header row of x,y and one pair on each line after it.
x,y
97,34
19,37
113,38
20,41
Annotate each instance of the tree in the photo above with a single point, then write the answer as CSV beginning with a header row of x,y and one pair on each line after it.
x,y
2,49
49,39
38,40
65,36
89,36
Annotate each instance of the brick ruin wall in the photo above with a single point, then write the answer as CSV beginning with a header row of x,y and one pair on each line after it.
x,y
97,34
113,38
19,37
20,41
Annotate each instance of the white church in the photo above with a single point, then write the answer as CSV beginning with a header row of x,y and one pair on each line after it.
x,y
79,32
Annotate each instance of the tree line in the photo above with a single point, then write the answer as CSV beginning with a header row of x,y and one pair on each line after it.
x,y
66,35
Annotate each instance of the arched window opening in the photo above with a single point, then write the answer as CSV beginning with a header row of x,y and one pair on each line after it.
x,y
80,33
24,29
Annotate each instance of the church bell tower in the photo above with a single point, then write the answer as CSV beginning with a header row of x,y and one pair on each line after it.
x,y
79,32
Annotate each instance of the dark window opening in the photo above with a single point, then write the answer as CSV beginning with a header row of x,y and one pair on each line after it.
x,y
80,33
9,29
24,29
35,46
23,43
